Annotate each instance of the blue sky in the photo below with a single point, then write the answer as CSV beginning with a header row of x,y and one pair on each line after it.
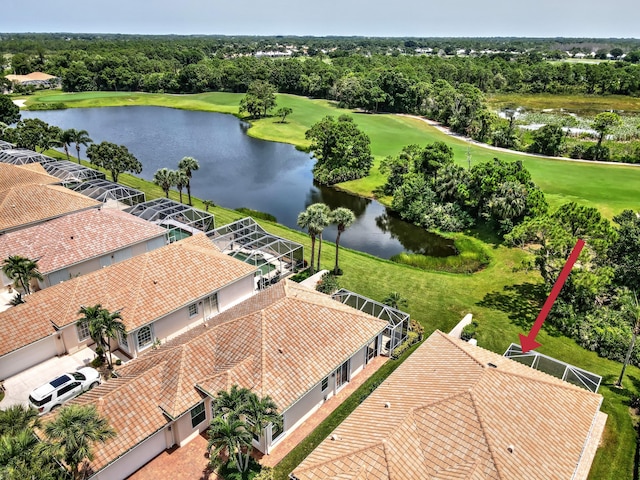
x,y
420,18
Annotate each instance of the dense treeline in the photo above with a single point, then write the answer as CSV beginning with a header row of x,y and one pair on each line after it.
x,y
198,64
393,83
598,305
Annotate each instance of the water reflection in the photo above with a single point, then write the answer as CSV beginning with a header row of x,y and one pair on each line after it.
x,y
240,171
437,246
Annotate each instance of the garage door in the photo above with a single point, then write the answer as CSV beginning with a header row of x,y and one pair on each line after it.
x,y
28,356
135,458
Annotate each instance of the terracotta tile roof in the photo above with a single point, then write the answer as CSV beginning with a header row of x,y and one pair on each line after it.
x,y
144,288
19,175
444,413
30,204
77,237
30,76
280,342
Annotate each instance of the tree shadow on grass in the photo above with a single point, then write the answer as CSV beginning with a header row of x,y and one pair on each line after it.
x,y
522,303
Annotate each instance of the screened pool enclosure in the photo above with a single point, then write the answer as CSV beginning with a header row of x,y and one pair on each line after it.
x,y
105,191
179,219
71,173
246,240
398,326
564,371
22,156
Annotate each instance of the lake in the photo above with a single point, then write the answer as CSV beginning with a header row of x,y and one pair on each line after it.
x,y
239,171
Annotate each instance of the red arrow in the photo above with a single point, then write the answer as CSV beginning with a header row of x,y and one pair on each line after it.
x,y
529,342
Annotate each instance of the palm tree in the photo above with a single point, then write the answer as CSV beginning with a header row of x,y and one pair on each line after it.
x,y
238,415
323,220
92,317
17,418
231,402
22,270
188,165
206,203
260,412
112,328
17,448
180,180
74,433
395,300
80,137
314,219
229,434
343,218
66,138
164,178
631,312
306,220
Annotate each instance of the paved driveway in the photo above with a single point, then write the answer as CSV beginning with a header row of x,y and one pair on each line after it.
x,y
18,387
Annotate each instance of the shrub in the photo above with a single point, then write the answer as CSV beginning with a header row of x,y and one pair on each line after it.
x,y
473,256
299,277
97,362
412,337
46,106
328,283
257,214
469,331
417,327
577,151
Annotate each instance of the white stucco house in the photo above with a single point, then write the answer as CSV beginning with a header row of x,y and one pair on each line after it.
x,y
159,294
79,243
294,344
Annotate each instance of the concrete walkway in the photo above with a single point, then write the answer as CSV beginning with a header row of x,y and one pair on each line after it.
x,y
313,280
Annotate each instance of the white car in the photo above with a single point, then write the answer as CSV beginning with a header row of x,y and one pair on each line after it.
x,y
51,395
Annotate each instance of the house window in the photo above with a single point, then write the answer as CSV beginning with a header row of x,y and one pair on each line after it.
x,y
277,429
325,383
124,341
144,337
210,306
83,330
193,309
197,415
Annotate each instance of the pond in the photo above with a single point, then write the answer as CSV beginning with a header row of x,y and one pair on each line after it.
x,y
239,171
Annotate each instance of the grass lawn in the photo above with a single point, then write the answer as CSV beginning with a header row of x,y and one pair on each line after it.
x,y
499,298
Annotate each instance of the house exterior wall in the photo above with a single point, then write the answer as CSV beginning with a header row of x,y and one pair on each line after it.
x,y
174,324
134,458
70,341
314,398
234,293
28,356
180,321
184,432
93,264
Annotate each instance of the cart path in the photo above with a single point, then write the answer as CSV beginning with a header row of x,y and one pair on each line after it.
x,y
471,141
